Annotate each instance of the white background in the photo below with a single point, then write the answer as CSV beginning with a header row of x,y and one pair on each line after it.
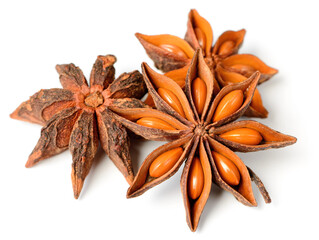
x,y
38,203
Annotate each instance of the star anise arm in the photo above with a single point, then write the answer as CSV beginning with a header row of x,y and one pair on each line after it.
x,y
228,43
43,105
127,85
103,71
247,64
195,207
156,82
199,70
242,189
144,179
199,32
115,142
226,77
127,103
72,78
55,136
167,51
265,137
83,147
131,118
246,90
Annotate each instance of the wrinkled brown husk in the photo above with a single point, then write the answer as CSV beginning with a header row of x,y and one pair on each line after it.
x,y
43,105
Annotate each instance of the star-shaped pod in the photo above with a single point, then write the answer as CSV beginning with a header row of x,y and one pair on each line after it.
x,y
170,52
202,133
78,117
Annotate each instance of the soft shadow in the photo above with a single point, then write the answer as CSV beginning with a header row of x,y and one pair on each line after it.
x,y
213,202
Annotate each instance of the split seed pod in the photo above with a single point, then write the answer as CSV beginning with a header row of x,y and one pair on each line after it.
x,y
197,138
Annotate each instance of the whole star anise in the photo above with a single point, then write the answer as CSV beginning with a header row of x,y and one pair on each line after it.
x,y
202,133
78,117
170,52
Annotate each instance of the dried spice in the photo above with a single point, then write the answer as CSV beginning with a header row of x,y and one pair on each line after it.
x,y
202,134
78,117
170,52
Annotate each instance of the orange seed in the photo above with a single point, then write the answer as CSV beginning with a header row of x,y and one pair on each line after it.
x,y
195,182
226,47
246,136
243,67
153,122
164,162
201,38
169,97
173,49
199,91
226,169
229,104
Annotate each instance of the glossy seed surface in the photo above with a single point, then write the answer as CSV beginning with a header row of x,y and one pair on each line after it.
x,y
195,182
199,91
169,97
155,123
229,104
173,49
201,38
243,67
246,136
226,169
226,47
164,162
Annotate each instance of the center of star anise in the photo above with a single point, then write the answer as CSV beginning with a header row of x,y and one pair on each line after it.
x,y
94,99
200,130
212,61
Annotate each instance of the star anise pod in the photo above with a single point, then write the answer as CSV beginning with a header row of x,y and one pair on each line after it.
x,y
202,133
78,117
170,52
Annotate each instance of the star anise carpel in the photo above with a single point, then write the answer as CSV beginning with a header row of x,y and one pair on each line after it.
x,y
78,117
171,52
202,132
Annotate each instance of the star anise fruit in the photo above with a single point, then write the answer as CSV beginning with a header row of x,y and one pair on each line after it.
x,y
202,133
78,117
170,52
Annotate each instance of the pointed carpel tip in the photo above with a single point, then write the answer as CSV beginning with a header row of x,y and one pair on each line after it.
x,y
242,31
293,140
31,161
13,115
275,71
139,36
77,184
28,165
193,228
76,196
129,193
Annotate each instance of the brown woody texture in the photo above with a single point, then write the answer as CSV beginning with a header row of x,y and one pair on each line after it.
x,y
78,117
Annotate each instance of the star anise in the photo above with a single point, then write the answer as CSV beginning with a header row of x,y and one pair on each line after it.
x,y
202,133
170,52
78,117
